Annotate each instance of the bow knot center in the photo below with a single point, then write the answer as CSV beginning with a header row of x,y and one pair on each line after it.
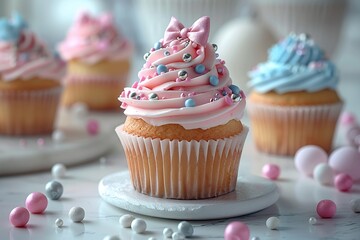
x,y
183,32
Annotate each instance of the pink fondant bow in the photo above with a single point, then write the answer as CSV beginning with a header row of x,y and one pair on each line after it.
x,y
198,32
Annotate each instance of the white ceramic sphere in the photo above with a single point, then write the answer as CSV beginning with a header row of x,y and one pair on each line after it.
x,y
323,174
58,136
272,223
355,205
138,225
312,220
58,170
177,236
346,160
77,214
186,228
307,157
59,222
126,220
111,237
167,232
79,109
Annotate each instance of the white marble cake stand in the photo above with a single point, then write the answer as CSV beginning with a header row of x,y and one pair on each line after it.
x,y
77,147
252,194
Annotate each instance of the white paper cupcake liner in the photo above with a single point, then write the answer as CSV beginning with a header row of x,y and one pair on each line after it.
x,y
29,112
283,130
183,169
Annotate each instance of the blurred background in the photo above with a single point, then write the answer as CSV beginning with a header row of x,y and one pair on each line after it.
x,y
243,29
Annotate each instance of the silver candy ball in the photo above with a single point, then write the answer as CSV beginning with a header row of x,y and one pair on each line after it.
x,y
215,47
166,53
146,55
132,95
54,190
153,96
187,57
186,228
182,74
235,97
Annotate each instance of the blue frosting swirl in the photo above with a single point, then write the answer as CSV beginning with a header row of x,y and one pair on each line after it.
x,y
10,30
294,64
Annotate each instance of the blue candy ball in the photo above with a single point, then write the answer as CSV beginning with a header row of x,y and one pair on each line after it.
x,y
161,69
235,89
157,45
214,80
190,103
200,68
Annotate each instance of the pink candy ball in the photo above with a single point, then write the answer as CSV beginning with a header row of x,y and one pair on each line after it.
x,y
346,160
343,182
237,231
347,118
36,202
19,217
271,171
307,157
326,208
92,127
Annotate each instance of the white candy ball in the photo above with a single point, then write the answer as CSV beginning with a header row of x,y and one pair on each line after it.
x,y
152,238
312,220
272,223
186,228
79,109
59,222
177,236
138,225
255,238
167,232
77,214
58,136
307,157
323,174
109,237
58,170
126,220
355,205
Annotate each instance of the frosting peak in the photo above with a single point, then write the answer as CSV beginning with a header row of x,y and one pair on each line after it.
x,y
294,64
183,82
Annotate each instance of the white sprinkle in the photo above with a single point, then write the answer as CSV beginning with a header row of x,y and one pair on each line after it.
x,y
79,109
111,237
58,170
77,214
59,222
177,236
126,220
167,232
272,223
312,220
186,228
58,136
138,225
355,205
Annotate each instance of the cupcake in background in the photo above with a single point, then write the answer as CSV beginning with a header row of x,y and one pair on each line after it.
x,y
294,101
183,137
323,19
29,81
98,62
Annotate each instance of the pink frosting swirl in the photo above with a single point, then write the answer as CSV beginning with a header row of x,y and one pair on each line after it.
x,y
183,82
28,57
93,39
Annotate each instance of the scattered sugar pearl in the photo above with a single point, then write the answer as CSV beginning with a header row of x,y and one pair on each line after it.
x,y
36,202
271,171
19,217
54,190
79,109
111,237
273,223
236,230
58,170
307,157
77,214
312,220
347,118
167,232
190,103
59,222
126,220
138,225
343,182
355,205
323,174
92,127
186,228
177,236
326,208
346,160
255,238
58,136
152,238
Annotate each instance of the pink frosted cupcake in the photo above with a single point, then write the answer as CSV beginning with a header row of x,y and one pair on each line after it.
x,y
98,58
183,137
29,81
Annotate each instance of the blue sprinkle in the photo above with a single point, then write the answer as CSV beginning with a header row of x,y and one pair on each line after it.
x,y
214,80
199,68
235,89
161,69
157,45
18,21
8,32
224,93
190,103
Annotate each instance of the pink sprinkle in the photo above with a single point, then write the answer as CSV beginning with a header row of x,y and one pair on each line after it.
x,y
191,94
178,80
228,100
92,127
175,47
194,45
326,208
155,74
198,52
36,202
152,49
347,118
343,182
182,95
142,95
122,94
123,105
139,87
143,98
19,217
222,62
40,142
135,84
271,171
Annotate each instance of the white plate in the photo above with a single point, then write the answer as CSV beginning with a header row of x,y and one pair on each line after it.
x,y
252,194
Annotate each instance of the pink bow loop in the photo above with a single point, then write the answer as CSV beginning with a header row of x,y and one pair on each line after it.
x,y
198,32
